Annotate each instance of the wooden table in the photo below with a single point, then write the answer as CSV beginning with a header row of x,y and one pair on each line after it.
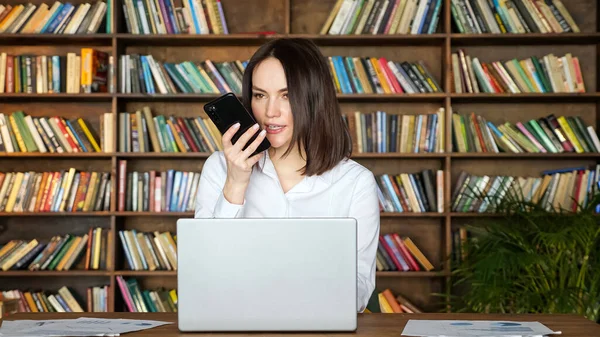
x,y
380,325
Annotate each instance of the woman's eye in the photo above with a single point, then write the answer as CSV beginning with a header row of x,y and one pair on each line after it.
x,y
285,95
258,95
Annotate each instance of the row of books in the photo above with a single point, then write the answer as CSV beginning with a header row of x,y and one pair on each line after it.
x,y
162,17
59,191
566,189
139,131
346,17
60,301
149,251
380,132
161,191
512,16
411,192
459,238
20,132
83,18
61,252
91,72
383,17
368,75
137,299
549,134
144,300
156,191
396,253
546,74
144,74
88,72
390,304
373,132
174,191
23,133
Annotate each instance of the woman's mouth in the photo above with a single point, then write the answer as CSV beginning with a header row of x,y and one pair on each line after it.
x,y
274,128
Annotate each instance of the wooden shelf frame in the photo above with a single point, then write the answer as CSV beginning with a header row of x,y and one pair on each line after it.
x,y
444,40
173,273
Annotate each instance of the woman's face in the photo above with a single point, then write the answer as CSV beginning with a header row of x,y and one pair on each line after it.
x,y
270,104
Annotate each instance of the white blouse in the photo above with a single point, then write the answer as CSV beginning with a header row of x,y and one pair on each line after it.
x,y
347,190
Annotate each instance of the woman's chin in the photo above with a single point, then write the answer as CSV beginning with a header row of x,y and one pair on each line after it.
x,y
277,146
277,142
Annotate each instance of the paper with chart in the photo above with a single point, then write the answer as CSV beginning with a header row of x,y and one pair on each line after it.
x,y
454,328
83,326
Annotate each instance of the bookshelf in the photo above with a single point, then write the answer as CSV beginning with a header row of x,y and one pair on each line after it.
x,y
299,18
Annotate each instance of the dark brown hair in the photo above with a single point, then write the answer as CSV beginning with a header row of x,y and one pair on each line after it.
x,y
318,124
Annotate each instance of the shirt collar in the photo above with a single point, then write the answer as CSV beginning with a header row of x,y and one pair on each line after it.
x,y
266,166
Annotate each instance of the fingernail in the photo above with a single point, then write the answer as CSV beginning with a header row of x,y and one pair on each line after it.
x,y
236,125
255,126
262,133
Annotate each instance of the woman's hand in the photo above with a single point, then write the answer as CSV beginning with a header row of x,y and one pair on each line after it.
x,y
239,162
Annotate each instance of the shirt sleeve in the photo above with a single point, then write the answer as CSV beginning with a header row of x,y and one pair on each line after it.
x,y
365,209
210,201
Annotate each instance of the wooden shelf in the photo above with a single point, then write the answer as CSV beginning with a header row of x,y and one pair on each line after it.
x,y
80,155
155,273
54,214
457,39
492,215
356,156
257,39
435,97
155,155
392,155
517,156
53,273
341,97
192,39
383,215
529,39
375,40
195,155
155,214
474,215
167,97
423,274
411,215
191,214
391,97
525,97
56,97
56,39
432,232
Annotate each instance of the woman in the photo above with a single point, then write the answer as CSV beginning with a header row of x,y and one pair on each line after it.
x,y
306,172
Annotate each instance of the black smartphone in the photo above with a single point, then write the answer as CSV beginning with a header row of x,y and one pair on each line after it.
x,y
227,110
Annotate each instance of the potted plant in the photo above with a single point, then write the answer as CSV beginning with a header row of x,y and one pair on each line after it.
x,y
531,258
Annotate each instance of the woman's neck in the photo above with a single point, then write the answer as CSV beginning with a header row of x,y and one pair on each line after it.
x,y
293,162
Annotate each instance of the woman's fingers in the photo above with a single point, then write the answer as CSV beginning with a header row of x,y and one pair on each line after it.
x,y
254,145
242,159
245,137
226,138
254,159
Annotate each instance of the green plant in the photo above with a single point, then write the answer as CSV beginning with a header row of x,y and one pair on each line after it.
x,y
531,259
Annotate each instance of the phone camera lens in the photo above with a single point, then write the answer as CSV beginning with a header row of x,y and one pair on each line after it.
x,y
212,108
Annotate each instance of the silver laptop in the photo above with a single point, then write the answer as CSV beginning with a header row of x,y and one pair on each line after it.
x,y
267,274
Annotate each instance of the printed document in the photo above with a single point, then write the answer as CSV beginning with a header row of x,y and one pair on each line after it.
x,y
455,328
83,326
